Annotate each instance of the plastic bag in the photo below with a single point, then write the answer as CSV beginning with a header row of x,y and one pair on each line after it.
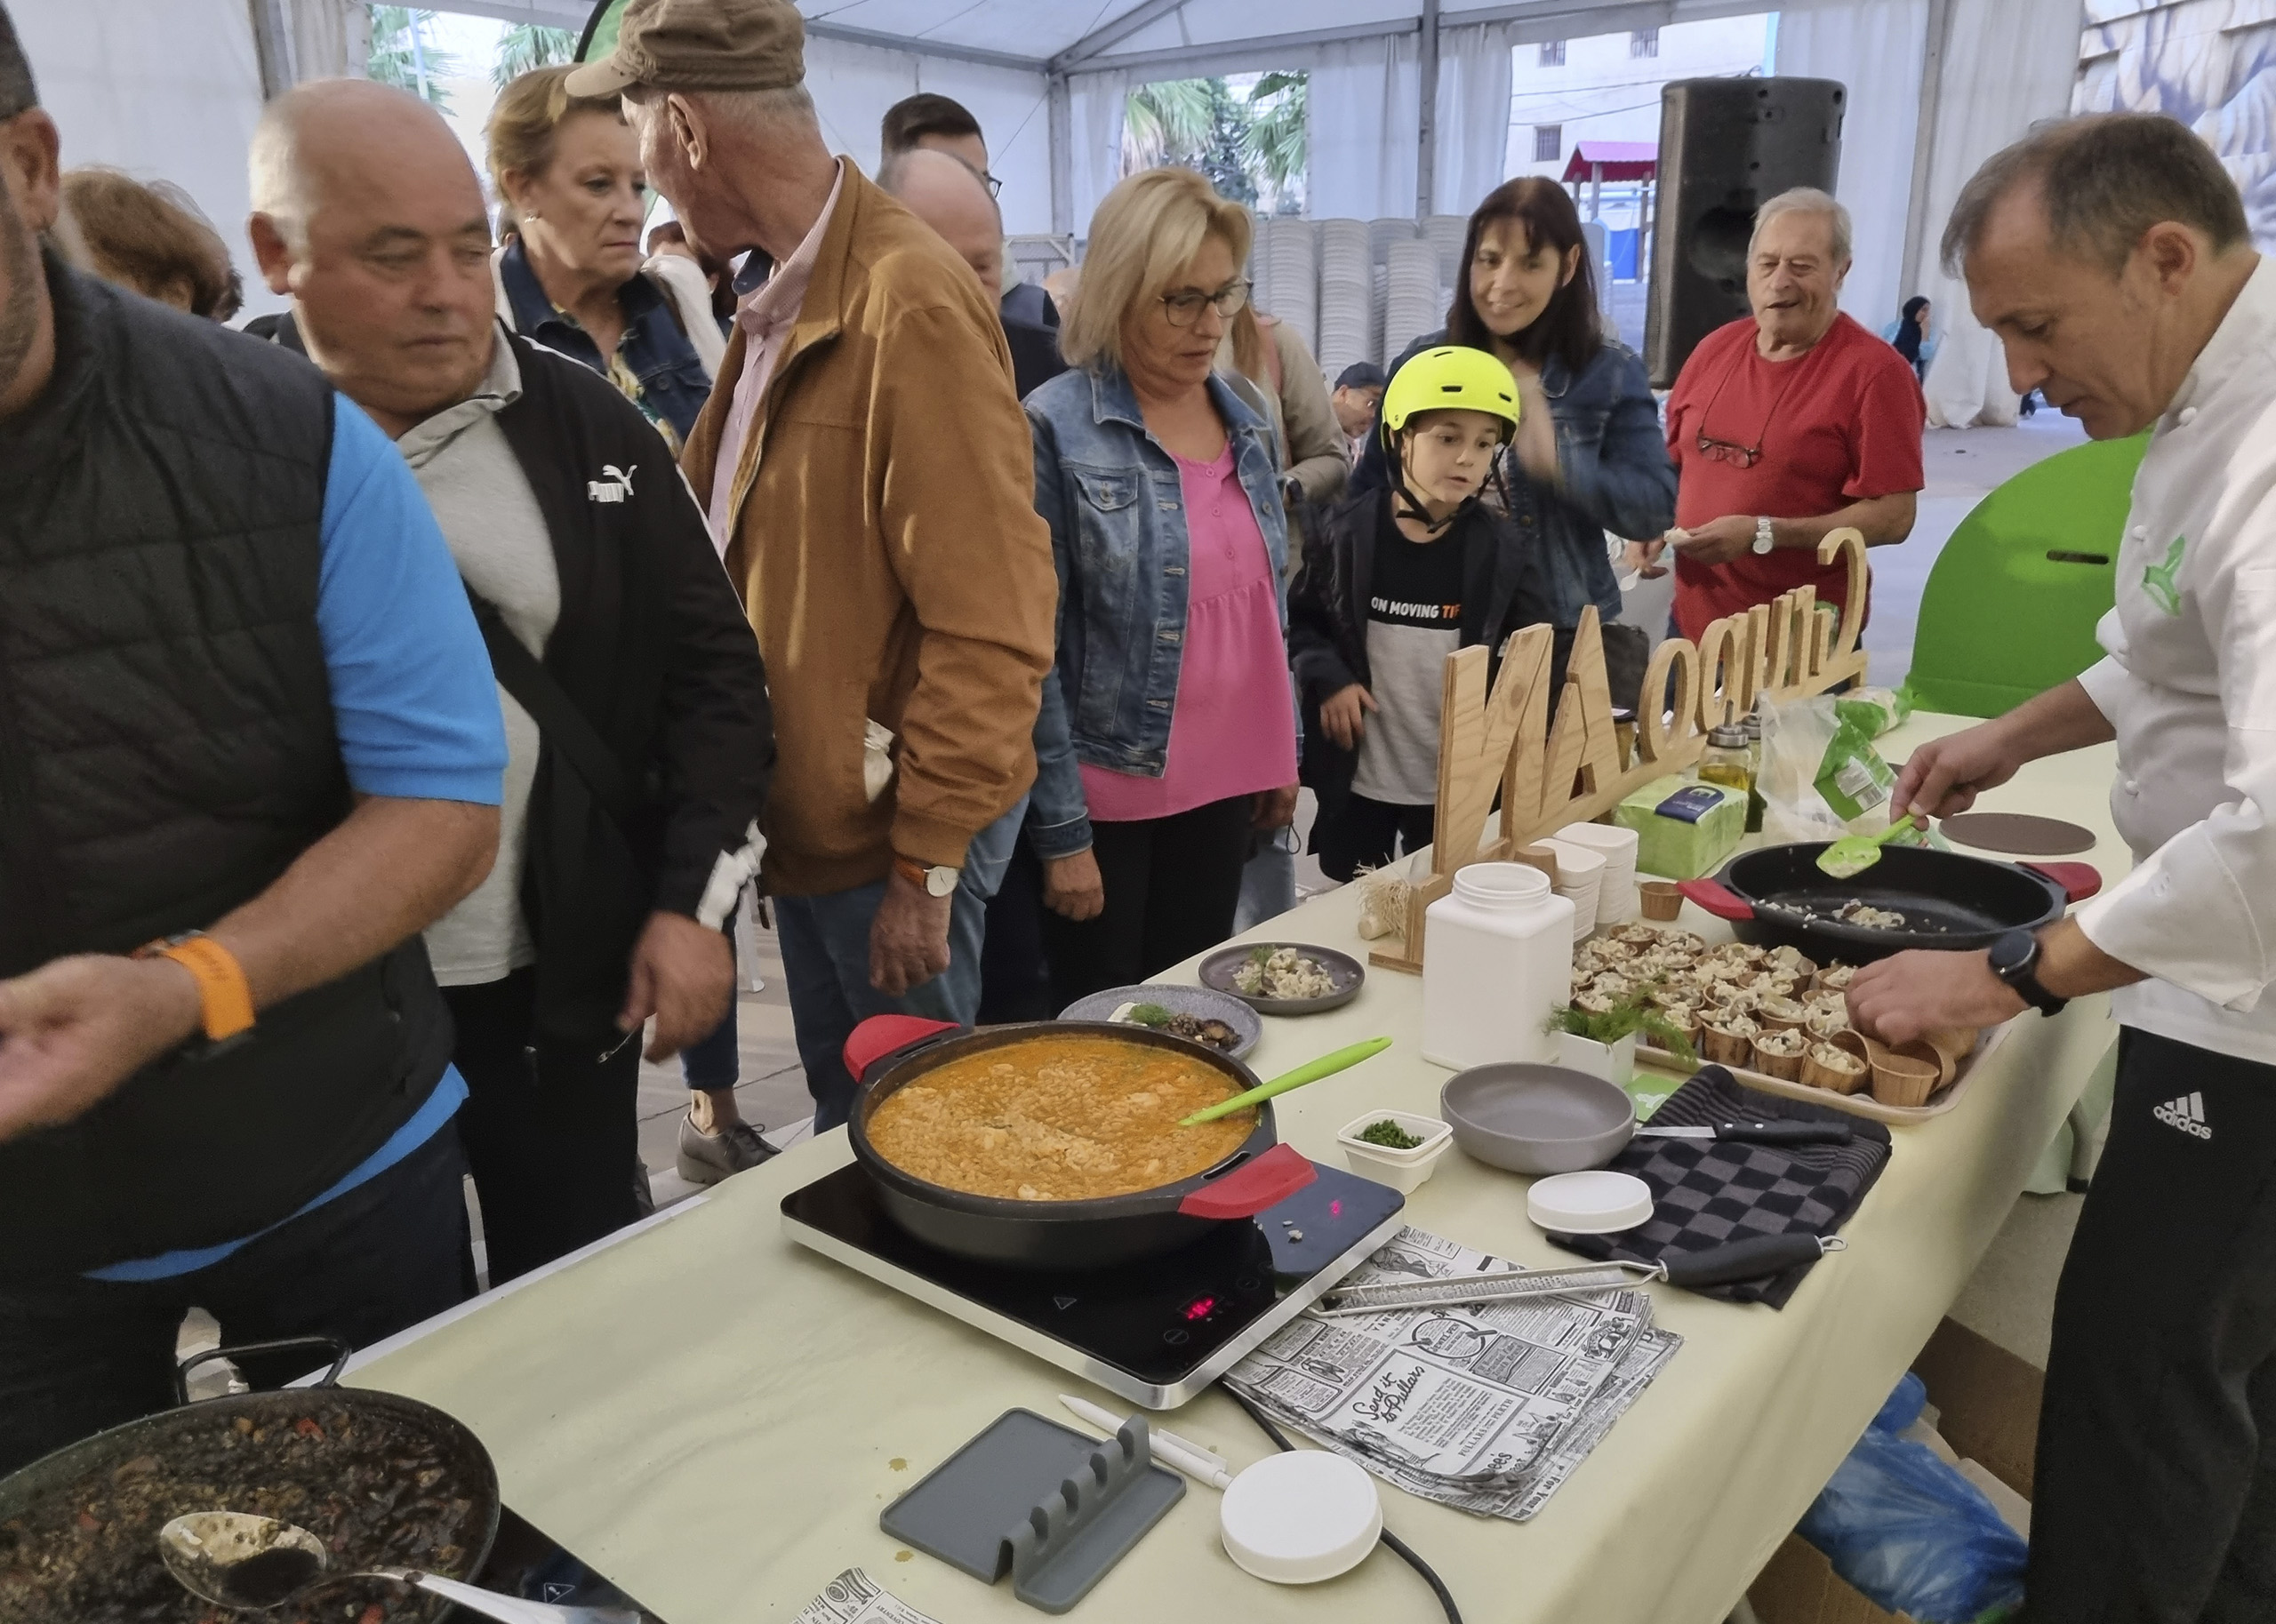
x,y
1911,1534
1874,710
1816,767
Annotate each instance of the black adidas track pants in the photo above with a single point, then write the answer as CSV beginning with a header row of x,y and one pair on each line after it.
x,y
2154,1497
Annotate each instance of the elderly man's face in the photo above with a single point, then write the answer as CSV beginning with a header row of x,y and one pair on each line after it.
x,y
667,128
393,285
2095,345
1793,282
1354,408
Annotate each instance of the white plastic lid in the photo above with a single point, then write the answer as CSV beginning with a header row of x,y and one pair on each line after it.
x,y
1595,1203
1501,884
1301,1517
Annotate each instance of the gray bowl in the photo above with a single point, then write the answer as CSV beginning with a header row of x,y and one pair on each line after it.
x,y
1537,1119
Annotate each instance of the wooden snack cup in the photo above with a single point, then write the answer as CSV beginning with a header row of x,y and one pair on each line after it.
x,y
1952,1046
1541,857
1844,1079
1785,1067
1662,900
1900,1079
1833,977
1685,1020
1781,1015
1726,1048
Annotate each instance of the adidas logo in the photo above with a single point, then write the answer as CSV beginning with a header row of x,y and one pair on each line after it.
x,y
2187,1113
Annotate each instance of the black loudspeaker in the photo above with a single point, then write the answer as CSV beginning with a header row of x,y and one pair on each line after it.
x,y
1727,147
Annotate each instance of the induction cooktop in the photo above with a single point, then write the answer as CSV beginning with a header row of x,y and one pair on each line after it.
x,y
1157,1332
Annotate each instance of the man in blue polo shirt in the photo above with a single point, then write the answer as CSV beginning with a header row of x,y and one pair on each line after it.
x,y
249,749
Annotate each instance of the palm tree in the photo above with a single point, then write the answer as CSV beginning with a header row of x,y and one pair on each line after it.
x,y
526,45
400,55
1167,123
1274,146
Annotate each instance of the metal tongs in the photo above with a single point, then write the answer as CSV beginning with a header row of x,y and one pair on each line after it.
x,y
1748,1259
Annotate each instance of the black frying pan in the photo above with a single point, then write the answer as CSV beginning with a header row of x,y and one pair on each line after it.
x,y
890,1052
385,1481
1777,896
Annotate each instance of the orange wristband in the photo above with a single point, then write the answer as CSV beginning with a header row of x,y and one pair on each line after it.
x,y
224,996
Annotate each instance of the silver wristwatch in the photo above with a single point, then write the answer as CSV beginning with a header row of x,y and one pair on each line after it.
x,y
1763,540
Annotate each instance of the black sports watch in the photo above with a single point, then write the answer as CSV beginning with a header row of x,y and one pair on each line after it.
x,y
2014,960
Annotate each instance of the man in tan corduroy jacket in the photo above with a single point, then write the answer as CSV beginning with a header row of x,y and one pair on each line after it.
x,y
870,480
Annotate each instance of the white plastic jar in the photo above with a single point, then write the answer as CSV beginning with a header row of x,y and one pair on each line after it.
x,y
1497,961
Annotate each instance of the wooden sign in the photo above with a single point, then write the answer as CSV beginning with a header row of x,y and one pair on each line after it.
x,y
1549,775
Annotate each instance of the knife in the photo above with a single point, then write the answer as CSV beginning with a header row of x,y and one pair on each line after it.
x,y
1785,1131
1747,1260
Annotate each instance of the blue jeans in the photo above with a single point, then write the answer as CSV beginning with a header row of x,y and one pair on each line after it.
x,y
78,1356
826,966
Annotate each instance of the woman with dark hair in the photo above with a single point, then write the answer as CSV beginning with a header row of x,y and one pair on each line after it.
x,y
1912,336
1588,456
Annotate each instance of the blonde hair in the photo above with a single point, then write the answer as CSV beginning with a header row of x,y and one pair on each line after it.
x,y
525,119
1145,232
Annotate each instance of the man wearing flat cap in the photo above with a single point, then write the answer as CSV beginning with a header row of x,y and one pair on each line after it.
x,y
870,483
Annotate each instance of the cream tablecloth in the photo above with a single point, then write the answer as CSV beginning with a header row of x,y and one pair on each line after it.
x,y
715,1416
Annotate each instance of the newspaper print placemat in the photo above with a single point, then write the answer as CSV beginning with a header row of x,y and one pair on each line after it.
x,y
1485,1407
854,1598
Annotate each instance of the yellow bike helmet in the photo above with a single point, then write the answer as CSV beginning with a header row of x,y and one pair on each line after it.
x,y
1450,378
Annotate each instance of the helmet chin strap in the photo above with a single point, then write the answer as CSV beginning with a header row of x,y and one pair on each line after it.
x,y
1409,503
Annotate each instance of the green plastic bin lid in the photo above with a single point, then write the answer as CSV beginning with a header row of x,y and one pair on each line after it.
x,y
2012,602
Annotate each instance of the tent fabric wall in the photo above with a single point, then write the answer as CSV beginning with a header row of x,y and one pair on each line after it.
x,y
1363,115
162,90
1877,48
852,85
1474,117
1095,114
2007,64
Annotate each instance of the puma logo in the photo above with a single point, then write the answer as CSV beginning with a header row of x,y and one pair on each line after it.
x,y
613,486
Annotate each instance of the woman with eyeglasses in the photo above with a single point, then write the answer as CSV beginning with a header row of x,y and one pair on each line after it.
x,y
1168,728
1588,457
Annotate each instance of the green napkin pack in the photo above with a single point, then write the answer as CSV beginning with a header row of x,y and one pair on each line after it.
x,y
1683,830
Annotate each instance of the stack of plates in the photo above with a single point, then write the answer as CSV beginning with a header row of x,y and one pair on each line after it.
x,y
1618,901
1289,287
1346,295
1411,305
1579,879
1444,233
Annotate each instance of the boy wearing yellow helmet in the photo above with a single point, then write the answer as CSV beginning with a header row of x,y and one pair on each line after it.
x,y
1402,579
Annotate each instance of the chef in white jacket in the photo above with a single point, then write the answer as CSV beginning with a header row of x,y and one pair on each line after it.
x,y
2111,255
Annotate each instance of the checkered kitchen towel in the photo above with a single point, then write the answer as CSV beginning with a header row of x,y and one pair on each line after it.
x,y
1708,1193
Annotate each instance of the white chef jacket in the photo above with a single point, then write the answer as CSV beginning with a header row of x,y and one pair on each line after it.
x,y
2188,684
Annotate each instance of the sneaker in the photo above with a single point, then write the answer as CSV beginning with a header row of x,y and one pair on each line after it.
x,y
706,1159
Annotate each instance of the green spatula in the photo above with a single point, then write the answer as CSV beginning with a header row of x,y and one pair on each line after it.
x,y
1310,1071
1853,854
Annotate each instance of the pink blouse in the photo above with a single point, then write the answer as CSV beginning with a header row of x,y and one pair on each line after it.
x,y
1234,728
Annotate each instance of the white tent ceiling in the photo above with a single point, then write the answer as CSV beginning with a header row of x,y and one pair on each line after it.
x,y
1061,36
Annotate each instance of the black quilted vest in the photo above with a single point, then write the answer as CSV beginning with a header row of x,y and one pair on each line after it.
x,y
167,751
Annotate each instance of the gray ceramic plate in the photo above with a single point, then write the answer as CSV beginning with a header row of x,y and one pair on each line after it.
x,y
1198,1001
1346,972
1536,1119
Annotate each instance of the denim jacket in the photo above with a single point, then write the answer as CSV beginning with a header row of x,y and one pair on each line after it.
x,y
1116,507
1615,476
673,387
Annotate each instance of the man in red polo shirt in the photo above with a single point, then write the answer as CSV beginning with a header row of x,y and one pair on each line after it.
x,y
1784,428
